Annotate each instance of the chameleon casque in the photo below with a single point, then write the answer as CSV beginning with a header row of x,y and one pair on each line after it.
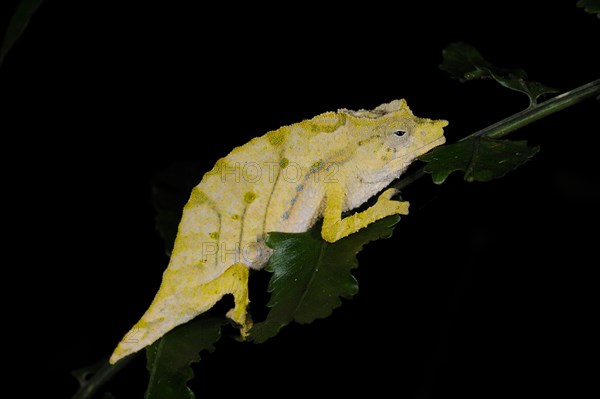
x,y
283,181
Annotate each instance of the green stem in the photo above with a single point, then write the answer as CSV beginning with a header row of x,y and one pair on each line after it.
x,y
532,114
518,120
101,377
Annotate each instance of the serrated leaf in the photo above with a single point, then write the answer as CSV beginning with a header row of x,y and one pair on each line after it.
x,y
464,62
520,83
169,358
481,158
310,275
17,24
590,6
170,191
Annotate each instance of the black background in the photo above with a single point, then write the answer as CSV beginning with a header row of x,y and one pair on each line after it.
x,y
484,289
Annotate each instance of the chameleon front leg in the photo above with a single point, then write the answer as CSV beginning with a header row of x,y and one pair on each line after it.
x,y
335,228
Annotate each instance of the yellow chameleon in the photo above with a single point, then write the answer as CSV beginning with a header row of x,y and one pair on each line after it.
x,y
283,181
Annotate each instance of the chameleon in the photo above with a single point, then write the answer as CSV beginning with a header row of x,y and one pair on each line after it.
x,y
283,181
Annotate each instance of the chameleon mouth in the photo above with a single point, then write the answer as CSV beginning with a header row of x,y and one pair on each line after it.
x,y
420,150
398,165
431,145
401,163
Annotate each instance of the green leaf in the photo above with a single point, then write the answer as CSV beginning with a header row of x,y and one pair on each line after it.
x,y
17,24
591,6
170,191
464,62
170,357
310,275
481,158
518,82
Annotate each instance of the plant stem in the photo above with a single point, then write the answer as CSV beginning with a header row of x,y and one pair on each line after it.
x,y
101,377
518,120
532,114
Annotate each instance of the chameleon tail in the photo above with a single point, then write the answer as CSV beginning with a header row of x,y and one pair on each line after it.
x,y
179,300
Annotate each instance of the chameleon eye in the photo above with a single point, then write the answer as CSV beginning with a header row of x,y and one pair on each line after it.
x,y
399,133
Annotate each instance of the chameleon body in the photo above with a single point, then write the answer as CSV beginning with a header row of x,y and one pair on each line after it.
x,y
283,181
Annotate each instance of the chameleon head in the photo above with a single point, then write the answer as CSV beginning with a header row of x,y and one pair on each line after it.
x,y
390,137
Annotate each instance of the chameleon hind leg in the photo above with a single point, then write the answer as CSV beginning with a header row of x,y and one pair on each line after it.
x,y
179,300
335,228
